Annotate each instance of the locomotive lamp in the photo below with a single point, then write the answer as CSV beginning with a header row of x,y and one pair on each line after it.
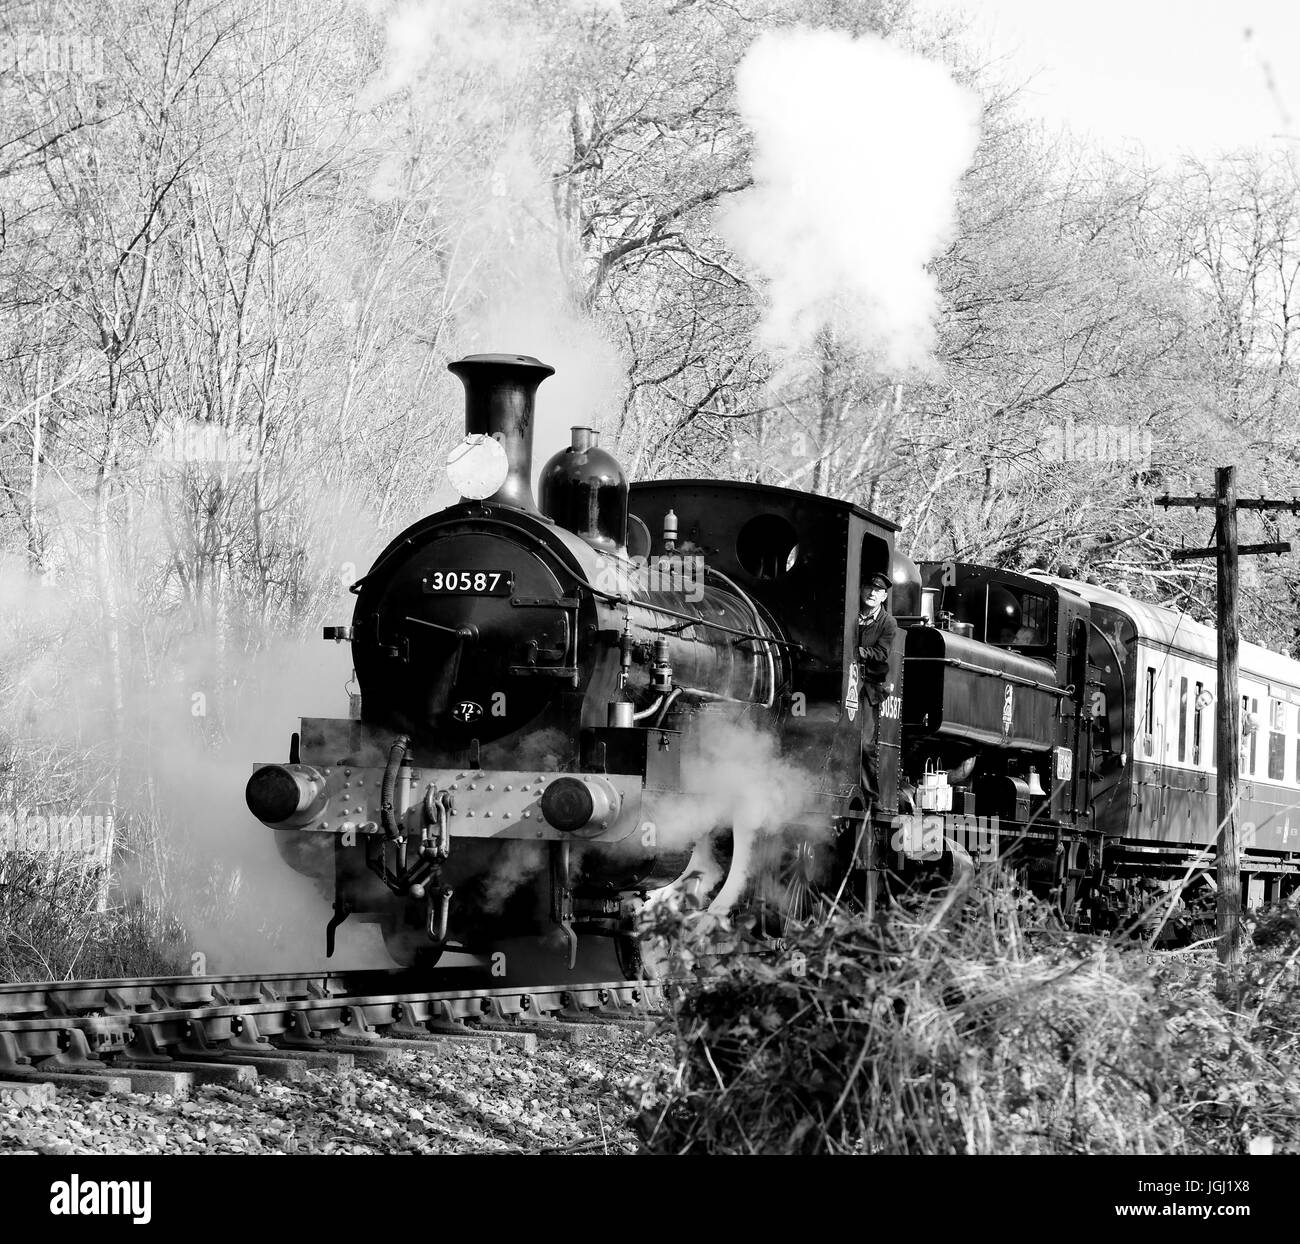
x,y
477,467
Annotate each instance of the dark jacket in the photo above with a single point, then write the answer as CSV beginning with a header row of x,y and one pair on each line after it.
x,y
875,642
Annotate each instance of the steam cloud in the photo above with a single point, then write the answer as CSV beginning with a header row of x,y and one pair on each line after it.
x,y
858,149
736,779
184,838
526,291
515,864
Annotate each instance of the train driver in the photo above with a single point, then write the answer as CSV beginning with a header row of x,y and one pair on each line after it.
x,y
876,631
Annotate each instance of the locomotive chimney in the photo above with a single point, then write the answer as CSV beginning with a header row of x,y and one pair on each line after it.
x,y
499,393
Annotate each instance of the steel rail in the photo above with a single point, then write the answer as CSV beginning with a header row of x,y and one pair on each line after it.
x,y
65,1030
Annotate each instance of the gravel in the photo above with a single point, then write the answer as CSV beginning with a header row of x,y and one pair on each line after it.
x,y
463,1099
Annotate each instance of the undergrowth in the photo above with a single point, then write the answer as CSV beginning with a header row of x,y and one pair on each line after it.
x,y
995,1032
57,923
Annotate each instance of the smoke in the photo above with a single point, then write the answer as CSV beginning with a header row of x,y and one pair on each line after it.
x,y
166,759
515,864
542,751
243,905
513,261
450,29
858,149
702,872
735,778
535,317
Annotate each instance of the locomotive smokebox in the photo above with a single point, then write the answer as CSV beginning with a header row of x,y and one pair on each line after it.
x,y
584,490
499,395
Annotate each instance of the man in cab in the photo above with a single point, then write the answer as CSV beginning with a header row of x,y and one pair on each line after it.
x,y
876,631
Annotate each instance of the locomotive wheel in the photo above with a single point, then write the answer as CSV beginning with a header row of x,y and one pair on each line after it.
x,y
797,887
800,898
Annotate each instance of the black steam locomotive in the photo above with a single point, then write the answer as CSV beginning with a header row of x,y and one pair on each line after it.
x,y
534,676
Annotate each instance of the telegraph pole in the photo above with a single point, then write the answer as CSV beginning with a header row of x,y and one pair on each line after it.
x,y
1227,732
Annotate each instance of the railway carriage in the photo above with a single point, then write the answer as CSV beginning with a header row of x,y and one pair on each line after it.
x,y
1155,793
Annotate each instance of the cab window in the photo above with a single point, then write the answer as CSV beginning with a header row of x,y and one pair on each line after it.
x,y
1006,616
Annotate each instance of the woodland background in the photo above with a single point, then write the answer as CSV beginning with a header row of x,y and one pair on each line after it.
x,y
276,221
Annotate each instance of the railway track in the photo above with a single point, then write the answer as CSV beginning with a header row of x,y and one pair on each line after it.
x,y
165,1034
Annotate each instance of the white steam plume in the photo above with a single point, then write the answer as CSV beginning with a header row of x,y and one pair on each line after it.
x,y
518,292
737,779
858,149
185,839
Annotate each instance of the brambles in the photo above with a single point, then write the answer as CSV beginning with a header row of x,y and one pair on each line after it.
x,y
999,1034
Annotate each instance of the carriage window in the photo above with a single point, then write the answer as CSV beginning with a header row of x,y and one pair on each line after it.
x,y
1182,719
1249,733
1294,715
1196,724
1149,721
1276,740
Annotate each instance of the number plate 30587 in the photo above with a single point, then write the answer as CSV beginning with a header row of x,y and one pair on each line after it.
x,y
469,583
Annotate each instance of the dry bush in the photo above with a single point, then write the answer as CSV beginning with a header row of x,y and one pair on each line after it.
x,y
999,1032
51,927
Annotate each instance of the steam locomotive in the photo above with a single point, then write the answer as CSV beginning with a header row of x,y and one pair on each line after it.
x,y
535,673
